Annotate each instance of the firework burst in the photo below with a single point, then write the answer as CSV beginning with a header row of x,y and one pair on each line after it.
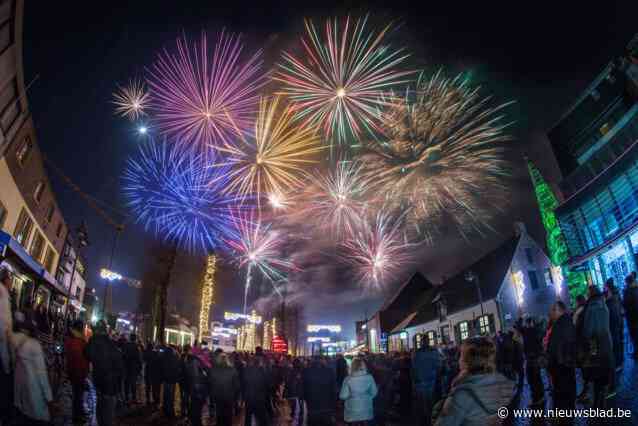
x,y
336,201
340,80
378,250
131,101
443,156
169,190
273,162
202,94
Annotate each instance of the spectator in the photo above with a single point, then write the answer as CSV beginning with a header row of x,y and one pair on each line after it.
x,y
630,303
224,389
358,391
77,368
184,393
616,327
170,375
533,350
33,396
133,366
149,359
293,390
561,357
256,393
478,391
341,370
426,368
197,382
319,392
107,364
6,332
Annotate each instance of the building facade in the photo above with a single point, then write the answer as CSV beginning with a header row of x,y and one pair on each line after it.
x,y
596,145
32,229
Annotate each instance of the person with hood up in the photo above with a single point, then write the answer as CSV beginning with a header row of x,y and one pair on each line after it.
x,y
358,392
426,369
77,368
478,391
197,372
561,356
32,392
224,386
319,393
133,362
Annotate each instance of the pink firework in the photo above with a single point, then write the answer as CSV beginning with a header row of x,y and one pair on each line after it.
x,y
201,94
378,250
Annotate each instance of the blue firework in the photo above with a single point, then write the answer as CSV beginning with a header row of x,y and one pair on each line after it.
x,y
172,191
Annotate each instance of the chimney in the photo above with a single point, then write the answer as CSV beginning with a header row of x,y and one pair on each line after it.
x,y
520,229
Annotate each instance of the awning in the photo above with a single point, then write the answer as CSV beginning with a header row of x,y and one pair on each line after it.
x,y
10,248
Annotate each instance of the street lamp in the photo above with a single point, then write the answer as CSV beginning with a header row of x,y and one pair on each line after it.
x,y
470,276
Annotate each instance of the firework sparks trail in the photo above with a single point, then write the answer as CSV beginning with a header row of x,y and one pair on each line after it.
x,y
168,190
132,100
443,156
259,246
337,199
274,162
378,250
198,94
341,80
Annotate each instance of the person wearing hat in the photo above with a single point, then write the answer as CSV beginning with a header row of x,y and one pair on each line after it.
x,y
32,392
6,328
77,367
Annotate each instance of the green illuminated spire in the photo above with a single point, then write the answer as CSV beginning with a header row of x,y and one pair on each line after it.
x,y
547,203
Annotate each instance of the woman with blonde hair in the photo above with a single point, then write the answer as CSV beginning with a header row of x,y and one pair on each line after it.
x,y
358,391
478,391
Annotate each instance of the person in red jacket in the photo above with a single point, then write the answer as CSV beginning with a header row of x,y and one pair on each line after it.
x,y
77,367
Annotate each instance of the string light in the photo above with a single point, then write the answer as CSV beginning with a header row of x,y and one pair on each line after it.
x,y
519,286
208,291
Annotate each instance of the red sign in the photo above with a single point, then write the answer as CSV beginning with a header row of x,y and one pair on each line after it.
x,y
279,345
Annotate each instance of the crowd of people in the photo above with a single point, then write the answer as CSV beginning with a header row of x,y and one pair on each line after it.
x,y
443,384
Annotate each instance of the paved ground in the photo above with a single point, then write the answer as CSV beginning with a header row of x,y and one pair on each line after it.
x,y
626,398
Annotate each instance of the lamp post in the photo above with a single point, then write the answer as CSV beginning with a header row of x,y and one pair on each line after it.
x,y
470,276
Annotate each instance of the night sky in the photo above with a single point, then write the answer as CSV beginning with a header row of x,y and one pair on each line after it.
x,y
540,55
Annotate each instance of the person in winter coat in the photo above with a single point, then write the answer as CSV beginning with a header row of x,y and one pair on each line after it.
x,y
132,368
630,303
149,358
561,357
478,391
600,362
108,367
293,389
224,387
533,350
358,392
6,333
197,371
319,392
170,375
77,368
184,393
32,392
616,327
341,370
426,368
256,391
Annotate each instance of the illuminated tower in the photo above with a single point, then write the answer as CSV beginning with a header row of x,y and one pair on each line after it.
x,y
208,291
547,203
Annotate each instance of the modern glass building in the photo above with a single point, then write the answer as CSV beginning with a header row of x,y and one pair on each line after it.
x,y
596,145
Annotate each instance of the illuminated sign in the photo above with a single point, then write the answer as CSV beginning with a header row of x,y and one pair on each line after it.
x,y
519,286
403,335
330,328
318,339
109,275
224,330
252,318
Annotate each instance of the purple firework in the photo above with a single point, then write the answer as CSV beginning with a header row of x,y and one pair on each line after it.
x,y
200,94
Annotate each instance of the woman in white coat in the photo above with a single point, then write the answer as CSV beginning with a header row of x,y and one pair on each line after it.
x,y
358,391
32,391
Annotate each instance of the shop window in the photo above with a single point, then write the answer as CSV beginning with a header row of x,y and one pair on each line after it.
x,y
417,341
464,330
23,228
37,246
3,214
49,259
431,336
50,213
24,151
39,190
484,324
533,279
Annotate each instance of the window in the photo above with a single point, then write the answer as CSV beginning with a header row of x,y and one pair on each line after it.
x,y
23,228
464,330
79,267
37,246
549,280
49,259
484,324
58,231
529,253
39,189
533,279
78,290
50,213
9,105
3,214
22,154
431,338
59,277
